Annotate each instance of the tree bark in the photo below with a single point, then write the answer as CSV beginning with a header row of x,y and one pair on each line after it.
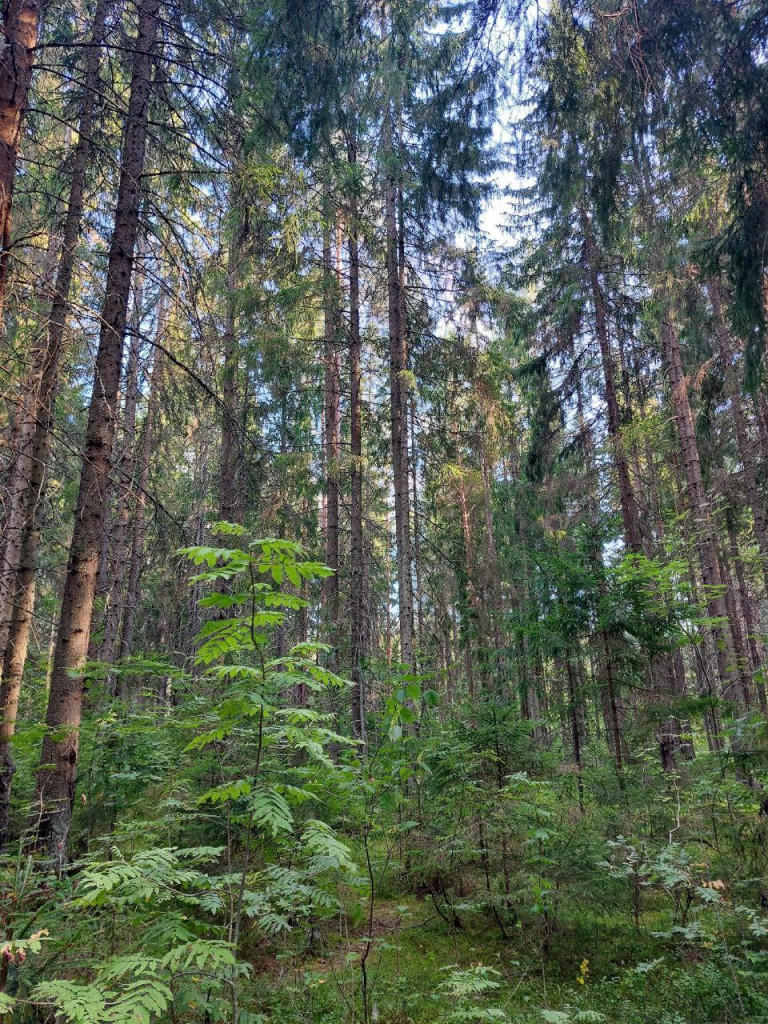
x,y
474,610
493,567
757,657
698,505
674,735
356,554
19,445
126,462
629,512
139,512
573,714
231,508
739,641
746,453
332,430
56,778
21,20
398,412
420,636
14,652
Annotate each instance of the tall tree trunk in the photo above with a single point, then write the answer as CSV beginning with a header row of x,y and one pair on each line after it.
x,y
703,531
139,512
420,637
674,735
573,714
19,444
746,453
15,487
493,568
21,19
332,430
126,461
14,652
230,499
473,601
756,656
356,554
739,641
703,654
612,710
56,778
759,402
537,697
660,673
629,512
398,414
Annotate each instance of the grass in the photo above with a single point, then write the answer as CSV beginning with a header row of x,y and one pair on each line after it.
x,y
629,975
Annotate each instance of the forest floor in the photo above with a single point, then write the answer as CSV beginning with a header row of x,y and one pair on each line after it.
x,y
588,967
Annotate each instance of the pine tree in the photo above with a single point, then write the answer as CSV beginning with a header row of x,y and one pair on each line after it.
x,y
58,773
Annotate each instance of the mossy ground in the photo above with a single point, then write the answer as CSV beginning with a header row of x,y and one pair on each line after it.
x,y
630,975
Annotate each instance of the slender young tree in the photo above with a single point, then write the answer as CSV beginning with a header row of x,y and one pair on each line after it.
x,y
138,526
331,419
125,462
230,478
357,549
398,404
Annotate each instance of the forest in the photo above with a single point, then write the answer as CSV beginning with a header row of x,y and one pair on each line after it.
x,y
383,512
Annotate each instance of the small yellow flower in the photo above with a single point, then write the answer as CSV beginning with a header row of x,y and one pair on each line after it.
x,y
583,972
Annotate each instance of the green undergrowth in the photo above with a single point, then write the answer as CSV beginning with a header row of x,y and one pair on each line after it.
x,y
235,860
594,967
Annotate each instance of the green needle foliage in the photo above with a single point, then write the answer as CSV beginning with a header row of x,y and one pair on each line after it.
x,y
383,512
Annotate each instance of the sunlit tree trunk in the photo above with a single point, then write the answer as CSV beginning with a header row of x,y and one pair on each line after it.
x,y
56,778
14,652
21,19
